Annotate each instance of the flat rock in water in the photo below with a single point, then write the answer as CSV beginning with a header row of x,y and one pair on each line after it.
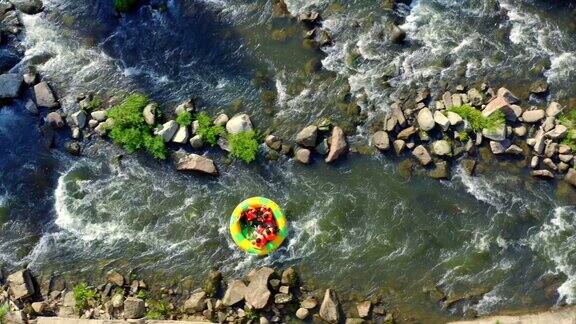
x,y
44,96
338,145
10,85
330,308
235,293
381,140
257,293
198,163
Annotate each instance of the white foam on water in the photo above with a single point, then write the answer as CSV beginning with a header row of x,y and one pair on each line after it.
x,y
555,241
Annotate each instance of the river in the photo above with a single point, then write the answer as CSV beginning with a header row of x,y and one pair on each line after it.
x,y
361,226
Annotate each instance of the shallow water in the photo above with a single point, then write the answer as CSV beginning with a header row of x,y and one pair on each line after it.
x,y
359,226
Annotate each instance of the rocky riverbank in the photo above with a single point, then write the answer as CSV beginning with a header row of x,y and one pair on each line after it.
x,y
264,295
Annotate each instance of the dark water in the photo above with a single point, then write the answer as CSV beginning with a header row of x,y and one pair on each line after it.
x,y
360,226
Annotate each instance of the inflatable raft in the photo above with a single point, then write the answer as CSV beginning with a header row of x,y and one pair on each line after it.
x,y
240,234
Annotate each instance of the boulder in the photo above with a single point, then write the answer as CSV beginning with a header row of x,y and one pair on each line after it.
x,y
442,120
534,162
273,142
469,166
542,174
475,97
406,133
224,144
397,113
441,171
397,35
181,136
73,148
302,313
338,145
167,130
499,147
238,124
310,17
564,149
454,118
330,308
302,155
309,303
551,149
31,107
399,146
196,303
44,96
447,100
422,96
364,308
441,148
496,133
221,119
549,123
39,307
198,163
422,155
499,104
235,293
520,131
508,95
533,116
99,115
553,109
456,100
566,158
289,277
115,278
539,142
381,141
425,119
307,136
150,113
518,111
514,150
134,308
257,293
79,119
30,7
550,164
10,85
55,120
539,87
558,132
186,106
197,142
20,284
282,298
571,177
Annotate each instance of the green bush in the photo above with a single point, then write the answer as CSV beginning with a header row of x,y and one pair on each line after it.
x,y
208,130
83,296
157,310
475,118
4,308
94,104
126,5
244,146
131,131
568,119
184,119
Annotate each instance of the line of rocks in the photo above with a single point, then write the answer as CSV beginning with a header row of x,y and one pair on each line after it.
x,y
263,296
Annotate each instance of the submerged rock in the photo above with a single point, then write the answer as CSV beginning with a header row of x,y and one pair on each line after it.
x,y
198,163
442,171
29,7
10,85
55,120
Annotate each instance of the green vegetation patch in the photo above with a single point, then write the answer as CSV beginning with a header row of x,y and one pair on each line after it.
x,y
83,296
208,130
476,120
158,310
184,119
126,5
4,309
568,119
131,131
244,146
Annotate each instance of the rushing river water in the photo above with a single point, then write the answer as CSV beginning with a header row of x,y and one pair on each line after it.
x,y
359,226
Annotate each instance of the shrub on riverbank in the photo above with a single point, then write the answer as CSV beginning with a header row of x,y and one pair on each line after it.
x,y
244,146
208,130
569,120
184,119
158,310
130,129
4,308
126,5
83,296
477,121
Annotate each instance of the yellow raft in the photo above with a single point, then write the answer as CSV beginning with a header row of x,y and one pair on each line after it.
x,y
239,234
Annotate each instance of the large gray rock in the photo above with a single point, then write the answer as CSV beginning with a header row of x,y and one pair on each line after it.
x,y
558,132
302,155
150,113
238,124
20,284
198,163
235,293
307,136
553,109
115,278
508,95
10,85
197,142
196,303
44,96
134,308
571,177
99,115
257,293
496,133
338,145
330,308
542,174
79,119
406,133
422,155
30,7
425,119
499,104
499,147
273,142
533,116
539,142
181,136
167,130
454,118
381,140
55,120
441,148
475,97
